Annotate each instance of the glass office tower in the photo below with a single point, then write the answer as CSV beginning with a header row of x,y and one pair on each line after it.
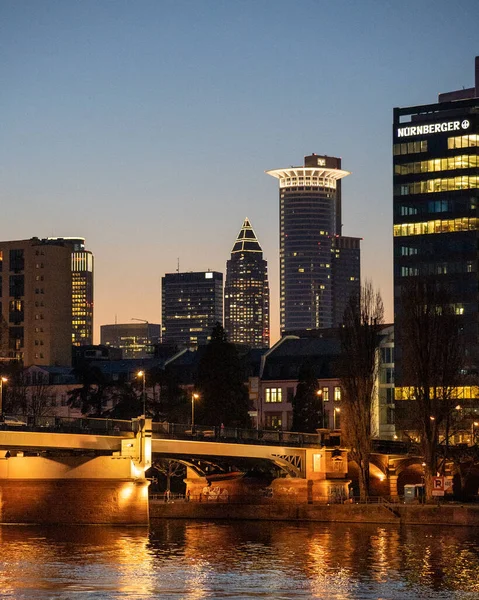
x,y
436,199
192,304
247,292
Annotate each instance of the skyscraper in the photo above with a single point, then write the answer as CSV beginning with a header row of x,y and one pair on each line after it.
x,y
311,250
192,303
436,204
36,302
247,291
82,290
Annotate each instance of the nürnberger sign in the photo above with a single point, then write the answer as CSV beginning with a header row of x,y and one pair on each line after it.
x,y
432,128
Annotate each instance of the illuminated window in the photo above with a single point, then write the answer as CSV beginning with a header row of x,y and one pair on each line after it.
x,y
437,226
325,394
337,393
273,395
463,141
273,421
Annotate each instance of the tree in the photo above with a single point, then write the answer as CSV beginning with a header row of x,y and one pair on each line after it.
x,y
169,469
308,413
91,398
126,400
223,397
171,404
431,362
359,367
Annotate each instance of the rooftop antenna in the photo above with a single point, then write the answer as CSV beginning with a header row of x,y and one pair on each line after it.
x,y
178,265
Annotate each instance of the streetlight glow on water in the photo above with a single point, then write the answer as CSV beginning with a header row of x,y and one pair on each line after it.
x,y
196,560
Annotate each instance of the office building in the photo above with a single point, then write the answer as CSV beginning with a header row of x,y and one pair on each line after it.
x,y
82,290
192,303
345,272
36,302
135,340
247,292
310,228
436,200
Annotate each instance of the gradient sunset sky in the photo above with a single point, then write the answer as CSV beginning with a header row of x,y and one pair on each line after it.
x,y
146,126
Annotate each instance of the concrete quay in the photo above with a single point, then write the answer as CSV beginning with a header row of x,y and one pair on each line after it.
x,y
443,515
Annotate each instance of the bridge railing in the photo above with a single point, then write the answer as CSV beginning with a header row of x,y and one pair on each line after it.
x,y
234,434
79,425
225,498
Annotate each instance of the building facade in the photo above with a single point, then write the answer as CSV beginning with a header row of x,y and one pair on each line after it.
x,y
247,292
310,225
135,340
36,302
82,290
192,303
436,204
345,273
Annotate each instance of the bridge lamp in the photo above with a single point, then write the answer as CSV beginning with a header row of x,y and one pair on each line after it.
x,y
142,374
194,397
2,381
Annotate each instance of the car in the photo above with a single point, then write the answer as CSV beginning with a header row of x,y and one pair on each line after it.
x,y
11,421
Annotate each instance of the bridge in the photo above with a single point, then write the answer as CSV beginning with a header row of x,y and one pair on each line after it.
x,y
96,467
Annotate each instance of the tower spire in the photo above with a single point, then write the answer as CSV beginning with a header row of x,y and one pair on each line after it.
x,y
246,240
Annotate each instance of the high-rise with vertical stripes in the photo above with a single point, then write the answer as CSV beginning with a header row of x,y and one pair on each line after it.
x,y
247,291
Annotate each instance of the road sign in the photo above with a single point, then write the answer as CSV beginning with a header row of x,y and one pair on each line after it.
x,y
438,486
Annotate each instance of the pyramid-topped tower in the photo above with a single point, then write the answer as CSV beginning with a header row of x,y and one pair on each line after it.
x,y
247,291
246,240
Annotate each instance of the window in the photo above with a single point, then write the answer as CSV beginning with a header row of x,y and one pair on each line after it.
x,y
337,393
410,148
431,186
17,285
273,421
387,355
273,395
325,394
17,261
437,226
463,141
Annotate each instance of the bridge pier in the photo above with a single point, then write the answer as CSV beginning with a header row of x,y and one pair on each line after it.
x,y
320,476
58,486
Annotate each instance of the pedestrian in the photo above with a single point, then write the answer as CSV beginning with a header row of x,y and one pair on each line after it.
x,y
187,497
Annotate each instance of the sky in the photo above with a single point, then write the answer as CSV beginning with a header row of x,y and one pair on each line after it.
x,y
147,126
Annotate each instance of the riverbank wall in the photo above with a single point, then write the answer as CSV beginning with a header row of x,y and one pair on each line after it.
x,y
444,515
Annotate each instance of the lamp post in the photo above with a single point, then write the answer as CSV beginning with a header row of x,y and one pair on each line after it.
x,y
194,397
337,410
142,374
319,394
2,381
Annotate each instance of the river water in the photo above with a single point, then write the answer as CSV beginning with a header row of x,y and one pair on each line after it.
x,y
191,560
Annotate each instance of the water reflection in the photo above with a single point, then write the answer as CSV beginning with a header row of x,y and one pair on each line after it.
x,y
203,560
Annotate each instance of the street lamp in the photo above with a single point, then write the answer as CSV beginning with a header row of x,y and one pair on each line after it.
x,y
142,374
193,398
2,381
337,410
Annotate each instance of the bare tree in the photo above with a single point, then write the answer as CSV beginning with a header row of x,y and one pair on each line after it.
x,y
431,361
169,468
359,367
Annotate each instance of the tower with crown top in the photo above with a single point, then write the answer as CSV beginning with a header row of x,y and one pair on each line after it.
x,y
247,292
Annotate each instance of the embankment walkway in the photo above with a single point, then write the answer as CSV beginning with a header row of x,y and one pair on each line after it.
x,y
444,514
